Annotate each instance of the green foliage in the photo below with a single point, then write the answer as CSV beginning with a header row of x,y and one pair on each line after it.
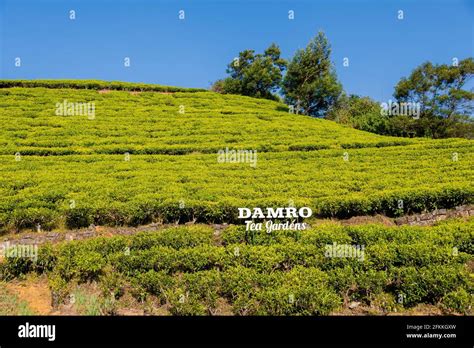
x,y
77,261
254,75
60,288
438,88
16,266
94,85
72,171
281,273
428,284
303,291
423,176
205,286
112,283
446,108
155,283
360,113
385,302
311,84
459,301
177,238
79,217
371,282
184,304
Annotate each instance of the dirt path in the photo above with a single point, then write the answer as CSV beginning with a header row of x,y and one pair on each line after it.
x,y
38,238
35,293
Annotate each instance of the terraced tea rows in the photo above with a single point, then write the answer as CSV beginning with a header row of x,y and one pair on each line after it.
x,y
154,123
190,270
122,165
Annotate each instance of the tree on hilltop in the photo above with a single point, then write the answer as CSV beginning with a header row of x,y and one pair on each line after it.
x,y
254,75
311,84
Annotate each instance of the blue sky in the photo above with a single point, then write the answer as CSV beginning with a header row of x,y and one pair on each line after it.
x,y
195,51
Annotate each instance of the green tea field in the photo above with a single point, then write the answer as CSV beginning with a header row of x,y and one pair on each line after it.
x,y
149,156
156,155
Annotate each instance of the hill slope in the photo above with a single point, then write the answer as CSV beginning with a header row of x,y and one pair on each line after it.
x,y
158,123
148,156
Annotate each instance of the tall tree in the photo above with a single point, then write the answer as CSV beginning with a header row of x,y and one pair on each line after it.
x,y
311,84
255,75
439,89
444,104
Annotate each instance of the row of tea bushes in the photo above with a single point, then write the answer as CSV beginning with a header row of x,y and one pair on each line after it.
x,y
190,269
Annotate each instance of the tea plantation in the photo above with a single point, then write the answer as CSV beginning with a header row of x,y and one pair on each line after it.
x,y
141,154
150,154
193,271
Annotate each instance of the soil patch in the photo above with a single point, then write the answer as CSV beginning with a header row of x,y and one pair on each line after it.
x,y
34,292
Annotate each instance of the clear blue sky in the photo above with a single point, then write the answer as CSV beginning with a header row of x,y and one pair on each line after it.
x,y
194,52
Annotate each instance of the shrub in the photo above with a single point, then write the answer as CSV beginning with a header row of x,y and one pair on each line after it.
x,y
428,284
155,283
204,286
459,301
304,292
112,283
184,304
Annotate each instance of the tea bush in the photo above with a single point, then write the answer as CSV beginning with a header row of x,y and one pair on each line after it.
x,y
282,273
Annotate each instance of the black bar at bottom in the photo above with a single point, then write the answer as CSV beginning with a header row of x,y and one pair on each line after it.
x,y
224,331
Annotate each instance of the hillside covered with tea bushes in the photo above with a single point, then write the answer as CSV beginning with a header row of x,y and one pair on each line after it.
x,y
151,155
94,85
157,123
194,271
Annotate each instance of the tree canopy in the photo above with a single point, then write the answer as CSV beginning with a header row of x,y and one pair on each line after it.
x,y
431,102
254,75
439,89
445,106
311,84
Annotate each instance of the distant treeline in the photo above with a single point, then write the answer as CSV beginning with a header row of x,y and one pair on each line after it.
x,y
431,102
